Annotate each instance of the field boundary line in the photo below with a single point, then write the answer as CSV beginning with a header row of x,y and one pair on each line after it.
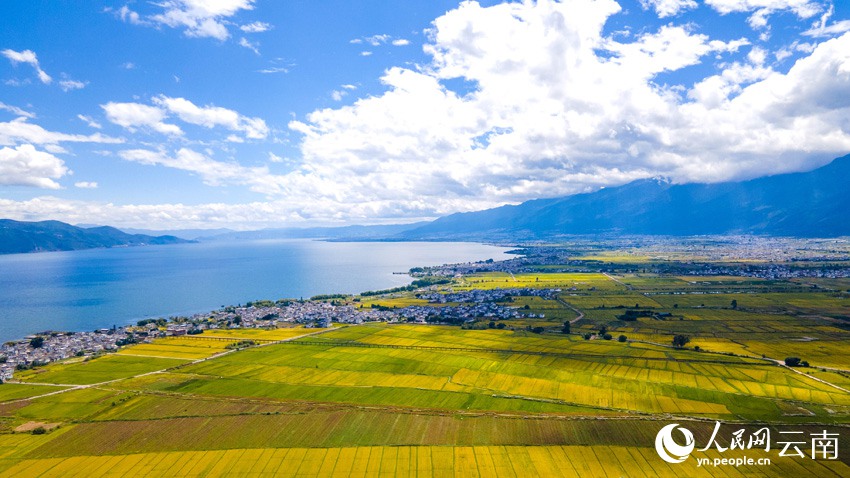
x,y
192,362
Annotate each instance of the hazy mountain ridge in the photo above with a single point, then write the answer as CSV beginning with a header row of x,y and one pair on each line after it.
x,y
810,204
20,237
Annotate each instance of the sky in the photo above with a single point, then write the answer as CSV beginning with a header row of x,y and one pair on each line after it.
x,y
250,114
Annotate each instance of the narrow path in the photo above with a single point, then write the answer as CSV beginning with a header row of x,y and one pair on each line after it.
x,y
574,309
90,385
627,286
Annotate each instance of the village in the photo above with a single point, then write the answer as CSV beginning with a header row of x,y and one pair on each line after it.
x,y
50,346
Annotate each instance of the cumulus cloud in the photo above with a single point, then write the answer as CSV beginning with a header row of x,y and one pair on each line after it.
x,y
593,111
212,116
668,8
201,18
29,57
26,166
20,131
135,115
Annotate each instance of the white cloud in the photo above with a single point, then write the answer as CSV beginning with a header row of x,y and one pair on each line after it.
x,y
20,131
26,166
128,65
16,111
668,8
86,185
29,57
253,46
591,113
824,31
365,53
136,115
274,69
275,158
201,18
762,9
89,121
212,172
381,39
129,16
157,216
255,27
69,85
212,116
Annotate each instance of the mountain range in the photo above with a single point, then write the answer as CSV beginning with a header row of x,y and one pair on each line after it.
x,y
17,236
809,204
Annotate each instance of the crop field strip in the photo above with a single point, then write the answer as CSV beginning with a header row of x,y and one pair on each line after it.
x,y
424,461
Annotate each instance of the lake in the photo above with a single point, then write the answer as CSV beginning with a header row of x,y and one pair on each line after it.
x,y
91,289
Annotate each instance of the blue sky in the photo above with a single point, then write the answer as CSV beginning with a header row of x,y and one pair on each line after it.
x,y
260,113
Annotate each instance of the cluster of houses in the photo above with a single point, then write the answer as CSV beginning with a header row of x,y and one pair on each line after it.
x,y
45,348
490,295
460,313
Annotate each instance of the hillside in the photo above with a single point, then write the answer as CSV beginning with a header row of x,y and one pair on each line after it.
x,y
19,237
810,204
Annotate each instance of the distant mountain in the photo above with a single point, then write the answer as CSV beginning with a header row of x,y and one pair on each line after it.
x,y
810,204
348,233
189,234
17,237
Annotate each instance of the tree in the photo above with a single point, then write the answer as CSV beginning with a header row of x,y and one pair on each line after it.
x,y
500,325
566,328
680,340
792,361
607,336
538,330
603,330
622,338
37,342
492,324
734,303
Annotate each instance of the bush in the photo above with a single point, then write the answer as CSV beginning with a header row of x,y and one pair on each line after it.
x,y
680,340
607,336
39,431
792,361
622,338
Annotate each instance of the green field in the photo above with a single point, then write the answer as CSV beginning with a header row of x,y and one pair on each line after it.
x,y
385,399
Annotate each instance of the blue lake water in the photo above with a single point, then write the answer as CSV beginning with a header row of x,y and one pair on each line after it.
x,y
91,289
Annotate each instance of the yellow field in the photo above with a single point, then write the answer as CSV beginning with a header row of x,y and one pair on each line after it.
x,y
176,347
260,334
421,461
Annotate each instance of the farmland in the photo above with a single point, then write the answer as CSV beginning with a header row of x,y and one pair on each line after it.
x,y
523,399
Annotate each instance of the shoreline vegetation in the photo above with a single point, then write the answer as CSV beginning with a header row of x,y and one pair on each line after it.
x,y
567,357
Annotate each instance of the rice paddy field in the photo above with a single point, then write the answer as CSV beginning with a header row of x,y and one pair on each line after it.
x,y
401,399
